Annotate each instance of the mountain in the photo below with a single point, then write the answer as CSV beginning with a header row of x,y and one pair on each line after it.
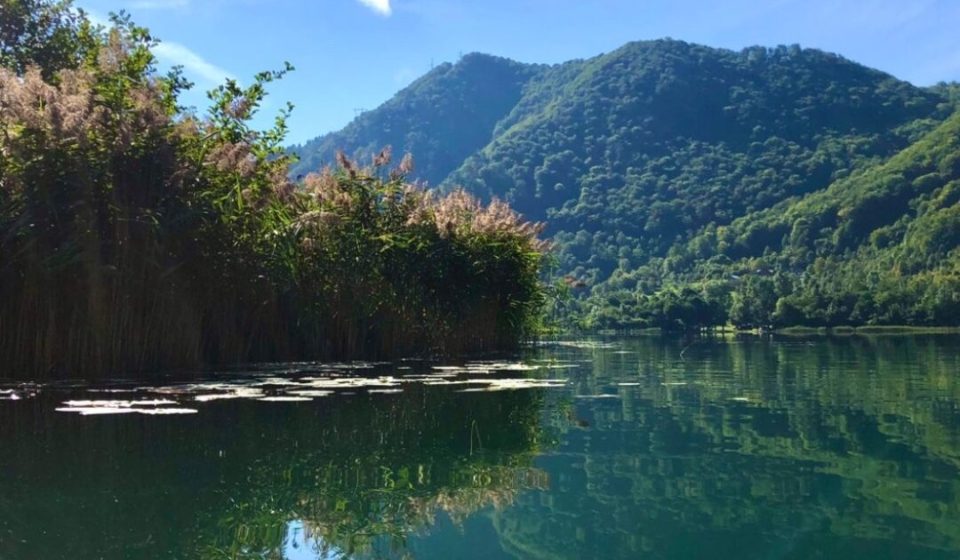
x,y
442,118
671,173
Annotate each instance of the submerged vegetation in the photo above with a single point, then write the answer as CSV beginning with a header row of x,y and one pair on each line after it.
x,y
136,235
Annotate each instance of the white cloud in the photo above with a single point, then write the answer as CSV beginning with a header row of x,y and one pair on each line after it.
x,y
404,76
97,19
382,7
159,4
194,65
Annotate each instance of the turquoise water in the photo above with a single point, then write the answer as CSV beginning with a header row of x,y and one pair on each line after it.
x,y
740,448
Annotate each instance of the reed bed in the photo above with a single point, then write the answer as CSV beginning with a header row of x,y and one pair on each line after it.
x,y
137,237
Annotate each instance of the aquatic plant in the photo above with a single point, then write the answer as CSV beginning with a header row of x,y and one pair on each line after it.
x,y
138,236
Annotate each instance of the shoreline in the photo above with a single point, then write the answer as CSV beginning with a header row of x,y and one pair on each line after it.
x,y
870,330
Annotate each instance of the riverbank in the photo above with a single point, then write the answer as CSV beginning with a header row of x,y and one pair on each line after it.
x,y
872,330
867,330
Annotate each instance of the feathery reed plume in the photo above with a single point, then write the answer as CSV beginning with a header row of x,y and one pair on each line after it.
x,y
346,164
383,158
134,238
404,169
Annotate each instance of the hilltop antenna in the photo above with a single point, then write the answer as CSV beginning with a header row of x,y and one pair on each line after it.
x,y
358,112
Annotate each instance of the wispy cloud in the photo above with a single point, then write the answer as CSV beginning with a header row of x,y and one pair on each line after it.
x,y
159,4
404,76
382,7
193,63
97,19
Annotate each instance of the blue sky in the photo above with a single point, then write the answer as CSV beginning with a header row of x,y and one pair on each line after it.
x,y
355,54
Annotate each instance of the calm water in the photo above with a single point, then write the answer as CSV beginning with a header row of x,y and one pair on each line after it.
x,y
656,449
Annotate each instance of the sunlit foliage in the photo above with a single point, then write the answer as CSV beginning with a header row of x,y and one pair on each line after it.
x,y
137,236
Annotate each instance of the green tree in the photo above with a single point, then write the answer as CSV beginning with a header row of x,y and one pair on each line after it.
x,y
754,302
49,34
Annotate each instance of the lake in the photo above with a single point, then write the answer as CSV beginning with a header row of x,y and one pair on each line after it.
x,y
654,448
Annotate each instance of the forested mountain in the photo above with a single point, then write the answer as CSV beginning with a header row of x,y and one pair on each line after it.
x,y
442,118
685,185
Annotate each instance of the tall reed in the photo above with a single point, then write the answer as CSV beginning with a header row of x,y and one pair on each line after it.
x,y
135,237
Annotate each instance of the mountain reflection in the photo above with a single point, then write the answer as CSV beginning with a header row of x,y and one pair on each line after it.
x,y
746,448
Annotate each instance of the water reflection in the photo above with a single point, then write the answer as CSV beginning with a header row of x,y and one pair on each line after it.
x,y
754,449
301,544
665,449
357,473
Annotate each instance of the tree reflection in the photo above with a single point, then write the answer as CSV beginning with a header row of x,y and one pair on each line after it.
x,y
359,473
797,448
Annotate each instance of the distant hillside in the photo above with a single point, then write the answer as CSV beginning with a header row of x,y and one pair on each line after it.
x,y
442,118
664,166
